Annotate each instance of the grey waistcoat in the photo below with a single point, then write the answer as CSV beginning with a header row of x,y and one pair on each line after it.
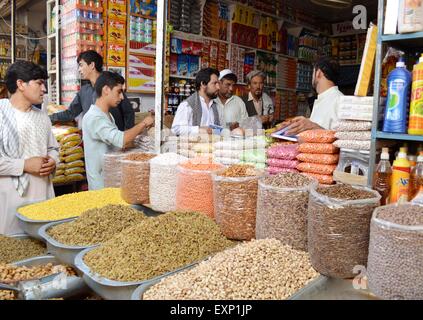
x,y
197,112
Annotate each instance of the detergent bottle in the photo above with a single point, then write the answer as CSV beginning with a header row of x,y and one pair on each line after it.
x,y
400,182
415,125
396,111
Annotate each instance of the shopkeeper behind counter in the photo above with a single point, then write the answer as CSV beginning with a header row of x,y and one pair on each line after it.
x,y
326,106
99,128
90,66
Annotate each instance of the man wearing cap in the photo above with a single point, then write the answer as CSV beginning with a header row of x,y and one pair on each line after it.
x,y
199,112
258,103
326,106
232,109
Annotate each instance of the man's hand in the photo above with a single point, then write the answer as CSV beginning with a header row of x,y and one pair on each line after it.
x,y
205,130
233,125
264,119
34,165
148,122
48,167
300,124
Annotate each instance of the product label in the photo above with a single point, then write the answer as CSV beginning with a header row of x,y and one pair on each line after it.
x,y
396,90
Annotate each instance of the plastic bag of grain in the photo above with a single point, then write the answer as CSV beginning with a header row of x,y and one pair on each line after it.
x,y
163,174
282,208
136,178
339,227
112,167
194,187
235,200
394,266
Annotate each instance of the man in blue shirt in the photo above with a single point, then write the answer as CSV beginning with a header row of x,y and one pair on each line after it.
x,y
99,128
90,65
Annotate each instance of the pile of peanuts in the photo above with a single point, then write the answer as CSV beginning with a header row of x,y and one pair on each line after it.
x,y
255,270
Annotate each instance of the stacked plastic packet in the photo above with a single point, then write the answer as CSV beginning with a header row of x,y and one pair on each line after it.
x,y
282,157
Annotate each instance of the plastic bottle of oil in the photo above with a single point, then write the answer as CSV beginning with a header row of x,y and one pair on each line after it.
x,y
400,181
416,177
415,124
382,181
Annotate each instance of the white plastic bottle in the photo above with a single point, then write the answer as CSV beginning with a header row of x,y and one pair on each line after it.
x,y
410,16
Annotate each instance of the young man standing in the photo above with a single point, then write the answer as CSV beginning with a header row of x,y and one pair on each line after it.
x,y
325,108
232,109
99,129
28,149
199,111
90,66
258,103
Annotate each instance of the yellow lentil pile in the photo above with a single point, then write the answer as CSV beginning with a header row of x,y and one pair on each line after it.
x,y
13,249
256,270
96,225
71,205
156,246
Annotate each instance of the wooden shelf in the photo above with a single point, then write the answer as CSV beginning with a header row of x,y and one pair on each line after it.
x,y
181,77
408,40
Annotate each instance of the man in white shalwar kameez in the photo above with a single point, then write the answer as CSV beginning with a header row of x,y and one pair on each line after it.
x,y
28,149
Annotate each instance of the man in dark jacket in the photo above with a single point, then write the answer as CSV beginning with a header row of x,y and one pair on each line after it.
x,y
90,67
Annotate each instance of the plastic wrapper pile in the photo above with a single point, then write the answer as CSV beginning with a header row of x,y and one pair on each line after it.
x,y
71,166
354,135
235,200
249,150
135,183
194,187
282,158
318,156
339,227
163,180
193,146
395,259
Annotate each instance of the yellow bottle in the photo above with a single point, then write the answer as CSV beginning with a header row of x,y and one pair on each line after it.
x,y
415,125
400,181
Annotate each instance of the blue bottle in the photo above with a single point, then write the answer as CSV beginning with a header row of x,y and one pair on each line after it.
x,y
398,101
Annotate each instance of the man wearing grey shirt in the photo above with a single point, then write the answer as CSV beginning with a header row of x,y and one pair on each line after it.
x,y
90,66
100,131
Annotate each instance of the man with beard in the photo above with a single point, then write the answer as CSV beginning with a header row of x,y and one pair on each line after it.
x,y
90,67
325,108
231,108
197,113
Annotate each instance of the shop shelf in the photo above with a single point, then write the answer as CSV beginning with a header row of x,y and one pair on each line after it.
x,y
398,136
409,40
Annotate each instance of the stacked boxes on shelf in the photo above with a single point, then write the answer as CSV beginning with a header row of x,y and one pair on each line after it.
x,y
116,39
244,28
82,30
285,104
267,63
185,16
308,47
216,20
215,55
141,46
185,57
237,62
286,71
304,76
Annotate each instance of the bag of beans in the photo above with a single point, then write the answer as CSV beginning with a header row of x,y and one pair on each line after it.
x,y
354,135
317,136
289,164
325,148
282,208
112,167
318,158
163,174
194,187
235,201
327,169
339,227
394,266
285,152
353,144
322,178
136,178
276,170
